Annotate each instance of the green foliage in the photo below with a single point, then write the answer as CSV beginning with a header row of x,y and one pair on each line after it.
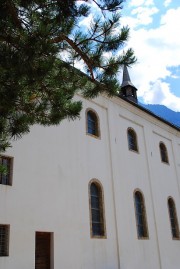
x,y
3,170
36,85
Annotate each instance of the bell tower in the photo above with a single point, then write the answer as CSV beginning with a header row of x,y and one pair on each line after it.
x,y
128,90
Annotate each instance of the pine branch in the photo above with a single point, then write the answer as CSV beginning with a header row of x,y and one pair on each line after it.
x,y
86,59
36,86
14,14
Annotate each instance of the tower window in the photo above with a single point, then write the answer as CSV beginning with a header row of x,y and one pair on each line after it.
x,y
140,213
163,153
6,177
129,91
132,140
4,240
92,123
173,219
97,210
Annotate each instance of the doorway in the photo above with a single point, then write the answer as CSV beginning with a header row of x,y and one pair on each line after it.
x,y
43,250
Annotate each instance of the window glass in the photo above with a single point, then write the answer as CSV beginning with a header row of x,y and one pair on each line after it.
x,y
173,218
92,123
132,140
5,178
96,204
163,152
140,215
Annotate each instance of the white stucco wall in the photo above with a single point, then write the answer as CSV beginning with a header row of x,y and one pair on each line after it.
x,y
52,170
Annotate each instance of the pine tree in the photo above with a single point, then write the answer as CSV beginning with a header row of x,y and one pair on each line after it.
x,y
37,85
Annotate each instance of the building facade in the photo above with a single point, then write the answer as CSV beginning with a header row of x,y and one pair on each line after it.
x,y
101,192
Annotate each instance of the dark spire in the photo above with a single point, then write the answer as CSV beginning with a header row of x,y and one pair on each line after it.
x,y
126,78
128,90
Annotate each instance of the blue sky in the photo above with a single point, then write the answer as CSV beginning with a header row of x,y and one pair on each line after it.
x,y
155,38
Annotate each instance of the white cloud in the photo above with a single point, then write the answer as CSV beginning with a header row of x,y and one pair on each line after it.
x,y
140,15
157,50
167,3
80,65
87,21
149,2
144,14
160,93
136,3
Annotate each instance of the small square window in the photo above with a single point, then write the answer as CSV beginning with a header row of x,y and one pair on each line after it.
x,y
4,240
6,178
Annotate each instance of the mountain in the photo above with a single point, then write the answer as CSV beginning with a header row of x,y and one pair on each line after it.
x,y
165,113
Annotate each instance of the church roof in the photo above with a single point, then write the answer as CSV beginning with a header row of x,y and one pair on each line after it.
x,y
141,107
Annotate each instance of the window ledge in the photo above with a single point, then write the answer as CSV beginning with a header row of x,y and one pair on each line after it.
x,y
135,151
98,237
94,136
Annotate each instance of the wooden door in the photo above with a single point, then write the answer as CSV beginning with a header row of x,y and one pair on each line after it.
x,y
43,250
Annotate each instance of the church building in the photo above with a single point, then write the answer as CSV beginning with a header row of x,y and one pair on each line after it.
x,y
100,192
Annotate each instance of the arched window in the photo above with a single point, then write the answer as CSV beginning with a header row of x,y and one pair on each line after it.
x,y
173,219
92,122
140,213
96,210
163,153
132,140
